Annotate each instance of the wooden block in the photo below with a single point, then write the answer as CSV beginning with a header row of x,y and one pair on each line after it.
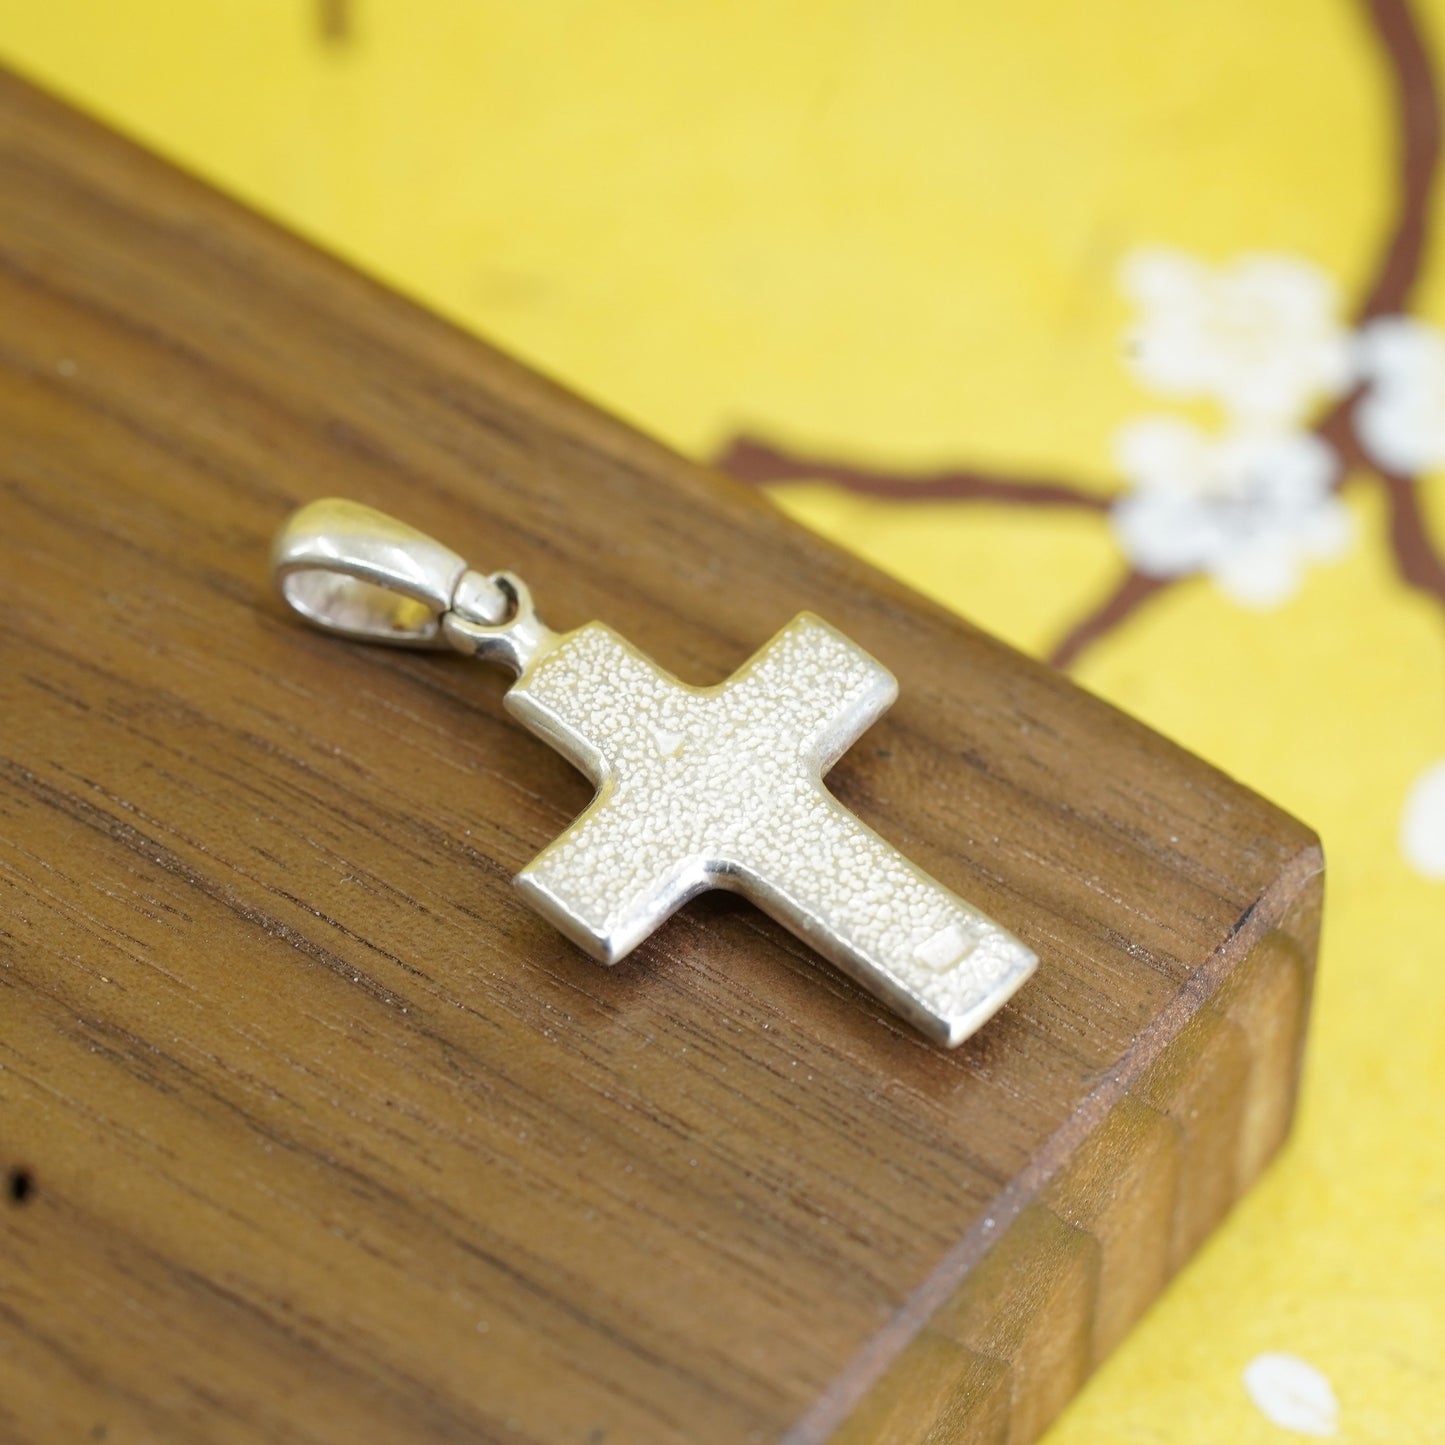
x,y
315,1133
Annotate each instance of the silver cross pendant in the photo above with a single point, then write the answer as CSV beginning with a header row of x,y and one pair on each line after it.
x,y
697,787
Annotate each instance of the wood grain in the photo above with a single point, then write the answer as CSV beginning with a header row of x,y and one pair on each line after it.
x,y
316,1133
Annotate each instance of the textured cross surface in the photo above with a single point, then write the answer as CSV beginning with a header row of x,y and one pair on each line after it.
x,y
722,787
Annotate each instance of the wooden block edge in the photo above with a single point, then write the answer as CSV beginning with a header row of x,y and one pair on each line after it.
x,y
1030,1303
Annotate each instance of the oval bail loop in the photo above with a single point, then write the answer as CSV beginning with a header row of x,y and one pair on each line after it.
x,y
360,573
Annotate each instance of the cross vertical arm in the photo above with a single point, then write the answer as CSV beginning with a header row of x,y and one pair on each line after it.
x,y
902,935
593,696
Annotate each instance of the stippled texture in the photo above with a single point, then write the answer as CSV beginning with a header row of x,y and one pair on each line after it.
x,y
722,786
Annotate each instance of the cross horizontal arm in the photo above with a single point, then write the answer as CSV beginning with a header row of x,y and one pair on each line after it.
x,y
623,867
815,685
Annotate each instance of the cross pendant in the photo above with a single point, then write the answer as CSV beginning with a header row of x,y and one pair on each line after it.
x,y
697,788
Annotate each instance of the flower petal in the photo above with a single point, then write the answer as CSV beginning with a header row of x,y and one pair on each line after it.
x,y
1261,575
1292,1393
1162,453
1422,824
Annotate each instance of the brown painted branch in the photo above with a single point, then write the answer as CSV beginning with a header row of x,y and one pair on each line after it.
x,y
1418,561
1133,591
1419,129
1337,428
1418,126
334,20
750,459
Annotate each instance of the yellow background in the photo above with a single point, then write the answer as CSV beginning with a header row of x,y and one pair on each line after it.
x,y
890,232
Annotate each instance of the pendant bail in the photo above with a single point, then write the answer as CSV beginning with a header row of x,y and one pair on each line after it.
x,y
356,571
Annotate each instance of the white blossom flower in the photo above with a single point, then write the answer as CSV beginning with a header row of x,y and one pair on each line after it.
x,y
1422,825
1261,336
1249,509
1293,1394
1400,420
